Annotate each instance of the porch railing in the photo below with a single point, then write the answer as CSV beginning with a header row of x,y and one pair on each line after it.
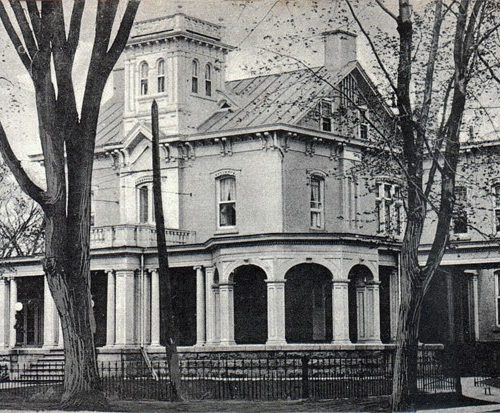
x,y
136,236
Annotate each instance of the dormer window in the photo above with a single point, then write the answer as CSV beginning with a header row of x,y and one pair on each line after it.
x,y
161,76
363,124
208,80
194,76
325,111
144,71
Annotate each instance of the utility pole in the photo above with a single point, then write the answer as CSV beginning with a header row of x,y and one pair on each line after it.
x,y
167,322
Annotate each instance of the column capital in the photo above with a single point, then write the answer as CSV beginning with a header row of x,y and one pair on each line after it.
x,y
471,273
275,281
341,281
226,285
109,271
211,269
198,267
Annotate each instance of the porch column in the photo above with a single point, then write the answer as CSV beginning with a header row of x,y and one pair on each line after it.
x,y
60,338
372,311
125,307
200,307
155,308
340,312
111,310
210,305
276,312
13,301
395,299
4,313
450,306
226,314
50,317
475,304
360,313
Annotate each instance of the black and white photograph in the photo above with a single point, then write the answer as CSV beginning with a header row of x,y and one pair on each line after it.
x,y
250,205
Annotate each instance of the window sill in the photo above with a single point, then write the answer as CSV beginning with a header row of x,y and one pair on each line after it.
x,y
317,229
205,97
152,96
226,231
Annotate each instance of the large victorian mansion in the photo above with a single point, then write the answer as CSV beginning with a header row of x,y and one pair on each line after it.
x,y
274,243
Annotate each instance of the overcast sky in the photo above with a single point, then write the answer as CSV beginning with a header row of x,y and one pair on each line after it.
x,y
255,27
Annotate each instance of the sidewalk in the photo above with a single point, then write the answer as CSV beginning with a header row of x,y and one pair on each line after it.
x,y
469,390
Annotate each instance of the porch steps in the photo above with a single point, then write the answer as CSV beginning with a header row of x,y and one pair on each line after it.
x,y
49,367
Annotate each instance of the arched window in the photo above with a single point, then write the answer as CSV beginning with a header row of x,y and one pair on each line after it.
x,y
194,76
143,204
161,76
317,201
144,71
226,200
208,80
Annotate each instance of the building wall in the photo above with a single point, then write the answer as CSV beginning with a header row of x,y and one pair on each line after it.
x,y
106,189
258,190
488,329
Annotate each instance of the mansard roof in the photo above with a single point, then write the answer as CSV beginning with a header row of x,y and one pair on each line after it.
x,y
278,98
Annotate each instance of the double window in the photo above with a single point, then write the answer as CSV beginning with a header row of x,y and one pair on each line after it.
x,y
389,206
317,203
460,219
161,76
144,73
226,201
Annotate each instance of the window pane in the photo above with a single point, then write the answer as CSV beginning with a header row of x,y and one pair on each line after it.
x,y
161,84
497,196
227,190
387,191
208,88
387,208
227,214
161,68
195,68
497,275
208,72
497,219
363,131
316,219
144,71
498,310
143,204
194,85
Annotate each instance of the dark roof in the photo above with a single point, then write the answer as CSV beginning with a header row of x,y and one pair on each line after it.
x,y
277,98
109,125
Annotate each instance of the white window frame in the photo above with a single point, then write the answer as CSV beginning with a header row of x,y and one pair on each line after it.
x,y
496,207
150,210
208,79
220,203
363,123
393,203
195,68
143,78
161,78
325,116
319,210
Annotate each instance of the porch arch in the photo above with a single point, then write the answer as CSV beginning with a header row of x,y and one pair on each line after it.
x,y
308,304
250,304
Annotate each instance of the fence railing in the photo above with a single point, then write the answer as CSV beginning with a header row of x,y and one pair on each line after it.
x,y
252,376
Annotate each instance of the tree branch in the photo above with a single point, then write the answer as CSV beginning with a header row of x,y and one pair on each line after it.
x,y
75,27
18,171
384,8
22,21
14,38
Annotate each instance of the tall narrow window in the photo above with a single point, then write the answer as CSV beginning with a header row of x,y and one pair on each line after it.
x,y
144,78
325,110
92,208
317,201
497,296
194,76
143,204
227,201
208,80
161,76
389,206
363,124
460,221
496,192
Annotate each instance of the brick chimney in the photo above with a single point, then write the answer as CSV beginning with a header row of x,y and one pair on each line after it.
x,y
340,49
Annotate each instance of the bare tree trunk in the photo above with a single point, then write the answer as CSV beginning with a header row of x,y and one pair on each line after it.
x,y
169,330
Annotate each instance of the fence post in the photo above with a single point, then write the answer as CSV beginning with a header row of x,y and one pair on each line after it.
x,y
305,377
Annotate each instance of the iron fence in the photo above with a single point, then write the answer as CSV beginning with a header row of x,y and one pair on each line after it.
x,y
245,376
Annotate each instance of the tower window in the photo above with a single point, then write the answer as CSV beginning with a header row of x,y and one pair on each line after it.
x,y
144,70
208,80
194,76
161,76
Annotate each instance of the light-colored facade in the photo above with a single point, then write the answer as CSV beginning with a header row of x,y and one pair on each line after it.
x,y
275,241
